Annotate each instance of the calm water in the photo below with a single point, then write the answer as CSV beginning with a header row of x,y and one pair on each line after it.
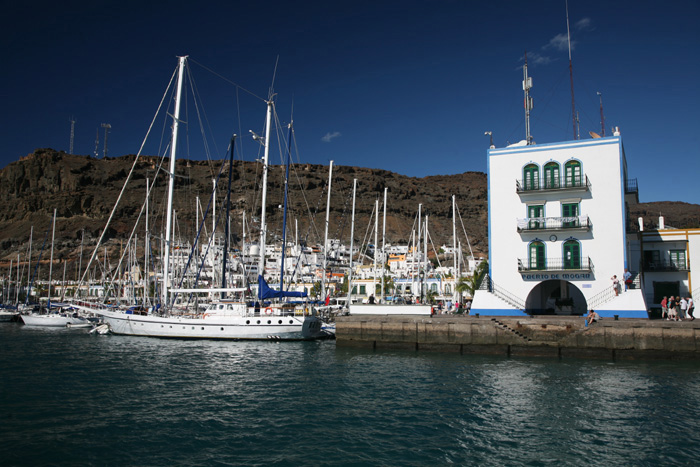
x,y
71,398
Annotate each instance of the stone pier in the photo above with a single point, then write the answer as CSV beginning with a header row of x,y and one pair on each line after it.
x,y
542,336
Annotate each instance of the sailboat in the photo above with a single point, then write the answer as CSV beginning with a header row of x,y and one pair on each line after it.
x,y
59,315
224,318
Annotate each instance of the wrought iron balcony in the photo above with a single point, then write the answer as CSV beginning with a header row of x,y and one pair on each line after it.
x,y
526,266
580,183
581,223
631,185
665,266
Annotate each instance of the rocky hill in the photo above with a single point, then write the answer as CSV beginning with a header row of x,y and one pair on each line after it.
x,y
83,190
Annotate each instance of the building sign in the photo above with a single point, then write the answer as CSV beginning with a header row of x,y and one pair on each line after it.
x,y
567,276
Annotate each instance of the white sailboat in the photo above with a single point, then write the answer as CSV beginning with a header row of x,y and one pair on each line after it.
x,y
57,316
223,319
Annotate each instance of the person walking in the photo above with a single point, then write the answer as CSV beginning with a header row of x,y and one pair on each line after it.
x,y
664,308
684,308
627,278
671,309
691,308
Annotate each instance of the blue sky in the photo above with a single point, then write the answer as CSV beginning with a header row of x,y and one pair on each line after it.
x,y
406,86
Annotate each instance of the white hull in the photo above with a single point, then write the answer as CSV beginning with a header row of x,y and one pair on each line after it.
x,y
52,320
216,327
7,315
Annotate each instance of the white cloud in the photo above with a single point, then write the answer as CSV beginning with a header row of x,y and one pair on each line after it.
x,y
583,25
559,42
328,137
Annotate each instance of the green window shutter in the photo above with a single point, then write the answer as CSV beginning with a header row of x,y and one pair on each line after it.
x,y
537,255
572,255
572,174
531,177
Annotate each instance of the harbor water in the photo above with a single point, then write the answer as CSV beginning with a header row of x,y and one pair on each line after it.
x,y
72,398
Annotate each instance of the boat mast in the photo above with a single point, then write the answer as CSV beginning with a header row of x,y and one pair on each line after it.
x,y
454,246
352,237
325,242
384,242
284,211
376,233
53,237
227,224
263,226
602,117
171,185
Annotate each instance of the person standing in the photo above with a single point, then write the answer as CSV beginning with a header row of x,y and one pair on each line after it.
x,y
664,308
627,278
671,308
616,285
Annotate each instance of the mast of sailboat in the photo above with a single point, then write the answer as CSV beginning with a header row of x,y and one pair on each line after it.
x,y
171,184
325,241
574,118
527,85
53,237
425,257
384,242
374,256
29,267
146,246
284,211
352,238
454,246
263,226
227,224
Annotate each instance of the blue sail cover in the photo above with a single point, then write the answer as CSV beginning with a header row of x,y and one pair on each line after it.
x,y
264,291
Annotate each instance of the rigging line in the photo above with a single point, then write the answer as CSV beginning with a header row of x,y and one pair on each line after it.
x,y
128,178
238,86
471,253
197,99
134,229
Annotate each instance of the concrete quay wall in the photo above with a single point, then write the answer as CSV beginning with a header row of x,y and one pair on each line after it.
x,y
559,337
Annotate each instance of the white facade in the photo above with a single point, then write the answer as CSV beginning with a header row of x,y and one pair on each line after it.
x,y
557,230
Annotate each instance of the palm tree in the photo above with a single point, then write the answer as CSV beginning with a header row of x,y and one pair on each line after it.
x,y
471,284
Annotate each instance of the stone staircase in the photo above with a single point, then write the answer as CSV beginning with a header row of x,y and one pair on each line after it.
x,y
501,325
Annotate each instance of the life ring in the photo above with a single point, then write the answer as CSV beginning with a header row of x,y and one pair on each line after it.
x,y
205,315
268,311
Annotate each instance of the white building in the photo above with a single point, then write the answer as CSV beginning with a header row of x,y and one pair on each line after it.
x,y
557,230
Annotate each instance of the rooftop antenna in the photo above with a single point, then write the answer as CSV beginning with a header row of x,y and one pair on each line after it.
x,y
602,117
527,84
571,72
72,134
107,127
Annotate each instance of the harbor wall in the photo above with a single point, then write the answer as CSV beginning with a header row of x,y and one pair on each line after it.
x,y
559,337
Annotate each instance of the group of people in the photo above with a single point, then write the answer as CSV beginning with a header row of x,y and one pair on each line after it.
x,y
626,277
677,308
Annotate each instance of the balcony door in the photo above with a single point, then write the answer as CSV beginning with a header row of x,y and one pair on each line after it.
x,y
572,255
569,212
536,215
531,177
572,174
551,175
537,256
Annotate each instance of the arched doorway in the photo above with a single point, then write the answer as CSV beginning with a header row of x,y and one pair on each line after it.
x,y
556,297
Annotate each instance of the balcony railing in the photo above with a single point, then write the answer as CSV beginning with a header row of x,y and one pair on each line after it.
x,y
554,223
555,264
665,266
580,183
631,185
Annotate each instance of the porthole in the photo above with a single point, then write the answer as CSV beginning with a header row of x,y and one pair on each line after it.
x,y
258,321
162,326
291,321
202,328
269,322
193,327
247,321
171,327
280,321
222,329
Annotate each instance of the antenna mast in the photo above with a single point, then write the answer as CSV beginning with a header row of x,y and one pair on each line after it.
x,y
72,134
602,117
571,73
527,84
107,127
97,142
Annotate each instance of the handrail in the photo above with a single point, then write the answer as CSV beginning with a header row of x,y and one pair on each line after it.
x,y
554,223
555,264
574,183
488,285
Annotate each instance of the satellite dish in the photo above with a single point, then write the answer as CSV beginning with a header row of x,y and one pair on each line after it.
x,y
594,135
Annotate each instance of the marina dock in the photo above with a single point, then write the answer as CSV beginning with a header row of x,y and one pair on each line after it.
x,y
540,336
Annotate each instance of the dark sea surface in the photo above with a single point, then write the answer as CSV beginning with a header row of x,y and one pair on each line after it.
x,y
71,398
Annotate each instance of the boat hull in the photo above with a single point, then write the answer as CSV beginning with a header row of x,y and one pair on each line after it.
x,y
216,327
51,320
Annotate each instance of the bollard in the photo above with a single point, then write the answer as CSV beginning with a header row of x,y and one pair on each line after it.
x,y
616,317
477,315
